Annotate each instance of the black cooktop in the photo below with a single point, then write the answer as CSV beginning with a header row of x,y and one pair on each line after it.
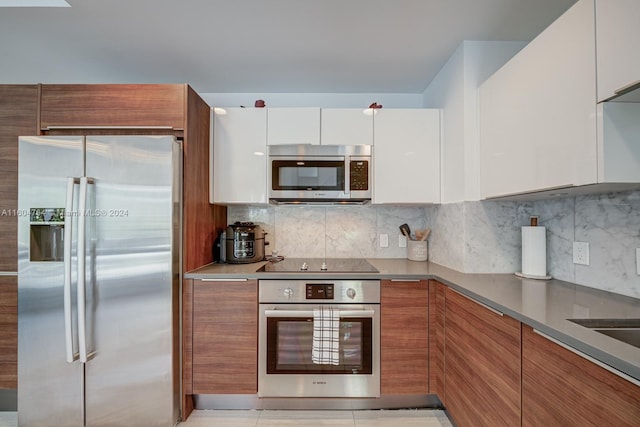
x,y
320,265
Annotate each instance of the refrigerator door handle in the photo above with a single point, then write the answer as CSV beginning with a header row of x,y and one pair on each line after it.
x,y
68,318
82,303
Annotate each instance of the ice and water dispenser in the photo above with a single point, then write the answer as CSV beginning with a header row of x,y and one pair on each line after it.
x,y
46,234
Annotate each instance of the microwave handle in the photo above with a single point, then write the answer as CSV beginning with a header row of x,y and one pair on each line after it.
x,y
309,313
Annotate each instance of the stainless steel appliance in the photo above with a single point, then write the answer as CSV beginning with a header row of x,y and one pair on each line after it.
x,y
98,281
319,174
285,367
242,243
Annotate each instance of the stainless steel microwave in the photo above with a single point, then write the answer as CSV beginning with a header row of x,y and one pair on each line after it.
x,y
319,174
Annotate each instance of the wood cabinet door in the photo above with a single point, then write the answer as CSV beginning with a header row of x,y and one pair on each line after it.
x,y
404,337
18,116
437,292
8,332
119,105
561,388
482,372
225,337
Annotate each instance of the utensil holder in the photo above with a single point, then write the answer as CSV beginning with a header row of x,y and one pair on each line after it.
x,y
417,250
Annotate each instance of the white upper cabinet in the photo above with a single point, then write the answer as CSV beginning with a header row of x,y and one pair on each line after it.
x,y
293,126
541,129
346,126
617,43
406,157
538,112
239,163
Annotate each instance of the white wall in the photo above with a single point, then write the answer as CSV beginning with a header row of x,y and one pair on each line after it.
x,y
454,89
322,100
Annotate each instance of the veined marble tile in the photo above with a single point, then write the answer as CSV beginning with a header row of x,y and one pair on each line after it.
x,y
388,221
446,242
301,231
493,236
350,232
610,223
557,216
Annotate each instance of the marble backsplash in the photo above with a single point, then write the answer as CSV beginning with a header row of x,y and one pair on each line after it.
x,y
473,237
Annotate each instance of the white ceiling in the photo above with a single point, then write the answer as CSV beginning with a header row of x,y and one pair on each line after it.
x,y
270,46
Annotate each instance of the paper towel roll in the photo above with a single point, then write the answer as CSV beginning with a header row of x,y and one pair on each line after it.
x,y
534,251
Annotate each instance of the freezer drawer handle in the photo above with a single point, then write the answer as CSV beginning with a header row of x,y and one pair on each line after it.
x,y
68,318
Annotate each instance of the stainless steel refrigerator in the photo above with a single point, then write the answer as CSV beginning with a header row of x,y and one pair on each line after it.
x,y
98,281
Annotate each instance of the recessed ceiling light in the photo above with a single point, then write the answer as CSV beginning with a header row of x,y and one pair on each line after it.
x,y
34,3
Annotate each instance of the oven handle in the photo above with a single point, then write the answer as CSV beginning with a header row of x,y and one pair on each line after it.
x,y
309,313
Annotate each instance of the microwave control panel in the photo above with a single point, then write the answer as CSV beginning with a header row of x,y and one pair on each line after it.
x,y
359,175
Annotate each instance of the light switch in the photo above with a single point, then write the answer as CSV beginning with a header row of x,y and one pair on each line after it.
x,y
402,241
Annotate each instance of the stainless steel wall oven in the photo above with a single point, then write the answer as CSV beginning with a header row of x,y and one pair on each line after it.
x,y
286,335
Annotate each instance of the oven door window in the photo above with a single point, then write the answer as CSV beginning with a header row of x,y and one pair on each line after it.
x,y
290,340
308,175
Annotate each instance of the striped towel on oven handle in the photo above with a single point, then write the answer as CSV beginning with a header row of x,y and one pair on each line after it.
x,y
326,336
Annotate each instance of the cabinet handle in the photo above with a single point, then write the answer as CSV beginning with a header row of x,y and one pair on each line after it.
x,y
224,280
628,88
491,309
9,273
108,127
404,280
589,358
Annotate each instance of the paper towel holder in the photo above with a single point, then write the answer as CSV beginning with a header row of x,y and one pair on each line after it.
x,y
533,221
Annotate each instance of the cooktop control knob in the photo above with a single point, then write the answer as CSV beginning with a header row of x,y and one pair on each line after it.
x,y
288,293
305,266
351,293
323,267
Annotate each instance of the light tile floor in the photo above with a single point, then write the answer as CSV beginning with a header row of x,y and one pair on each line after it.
x,y
375,418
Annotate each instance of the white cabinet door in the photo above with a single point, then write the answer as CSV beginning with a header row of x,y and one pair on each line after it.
x,y
293,126
239,156
538,112
406,156
346,126
617,43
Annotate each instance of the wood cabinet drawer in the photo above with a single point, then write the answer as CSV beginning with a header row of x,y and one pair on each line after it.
x,y
137,105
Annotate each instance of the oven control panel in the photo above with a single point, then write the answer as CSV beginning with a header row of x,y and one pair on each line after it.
x,y
320,291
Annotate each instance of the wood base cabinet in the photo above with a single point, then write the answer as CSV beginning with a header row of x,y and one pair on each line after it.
x,y
225,337
562,388
18,116
404,336
482,372
437,293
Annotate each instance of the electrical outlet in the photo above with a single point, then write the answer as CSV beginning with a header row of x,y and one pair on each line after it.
x,y
402,241
581,253
384,240
638,261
